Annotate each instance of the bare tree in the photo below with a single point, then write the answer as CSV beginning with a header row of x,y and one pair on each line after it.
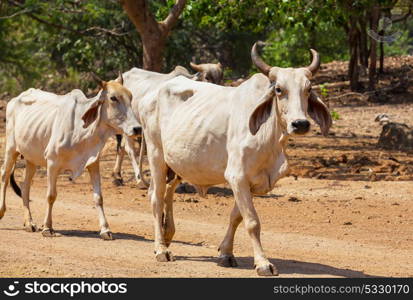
x,y
153,34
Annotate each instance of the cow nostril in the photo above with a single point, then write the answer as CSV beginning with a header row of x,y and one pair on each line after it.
x,y
301,126
137,130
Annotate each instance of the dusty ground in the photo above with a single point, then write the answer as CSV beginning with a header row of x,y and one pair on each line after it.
x,y
345,211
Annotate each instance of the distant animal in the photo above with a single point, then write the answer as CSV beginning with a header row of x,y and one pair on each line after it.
x,y
394,136
209,134
63,133
382,118
208,72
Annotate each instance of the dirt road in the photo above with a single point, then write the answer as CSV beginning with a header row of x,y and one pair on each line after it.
x,y
328,231
334,220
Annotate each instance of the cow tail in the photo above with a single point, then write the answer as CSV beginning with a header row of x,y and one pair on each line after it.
x,y
14,185
141,154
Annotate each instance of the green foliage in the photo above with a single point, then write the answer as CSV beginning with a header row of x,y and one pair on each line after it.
x,y
55,44
335,115
56,39
285,25
323,90
403,44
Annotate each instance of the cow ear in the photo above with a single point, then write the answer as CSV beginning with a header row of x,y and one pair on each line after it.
x,y
319,112
261,112
92,113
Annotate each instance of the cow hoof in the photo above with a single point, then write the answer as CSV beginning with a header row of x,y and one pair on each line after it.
x,y
164,256
48,232
118,182
30,227
267,270
227,261
107,235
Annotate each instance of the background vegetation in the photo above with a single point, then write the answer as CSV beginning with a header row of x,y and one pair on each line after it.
x,y
55,44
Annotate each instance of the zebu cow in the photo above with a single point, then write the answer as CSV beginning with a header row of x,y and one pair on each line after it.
x,y
140,82
63,133
210,134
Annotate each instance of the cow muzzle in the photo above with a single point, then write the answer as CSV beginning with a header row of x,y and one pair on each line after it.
x,y
301,126
132,131
137,131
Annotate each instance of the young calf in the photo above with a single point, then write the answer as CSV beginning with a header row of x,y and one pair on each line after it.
x,y
63,132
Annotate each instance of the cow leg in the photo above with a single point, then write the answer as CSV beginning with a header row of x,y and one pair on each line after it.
x,y
9,161
52,173
243,198
133,154
156,197
226,256
168,220
94,173
29,173
120,154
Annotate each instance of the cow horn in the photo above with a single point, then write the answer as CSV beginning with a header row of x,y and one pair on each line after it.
x,y
120,78
99,80
257,60
315,64
196,67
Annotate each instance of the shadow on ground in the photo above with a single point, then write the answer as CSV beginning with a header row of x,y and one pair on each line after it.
x,y
286,266
118,236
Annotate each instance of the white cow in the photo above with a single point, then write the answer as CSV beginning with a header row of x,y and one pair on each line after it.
x,y
64,133
140,82
210,134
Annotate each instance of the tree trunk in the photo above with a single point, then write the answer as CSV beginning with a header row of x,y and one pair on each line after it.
x,y
353,68
363,49
153,52
153,33
375,15
381,67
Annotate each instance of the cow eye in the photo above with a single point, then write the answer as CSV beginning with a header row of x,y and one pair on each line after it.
x,y
113,98
278,90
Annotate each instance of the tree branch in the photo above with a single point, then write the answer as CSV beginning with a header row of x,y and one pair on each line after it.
x,y
104,30
139,13
173,16
59,26
404,17
16,14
